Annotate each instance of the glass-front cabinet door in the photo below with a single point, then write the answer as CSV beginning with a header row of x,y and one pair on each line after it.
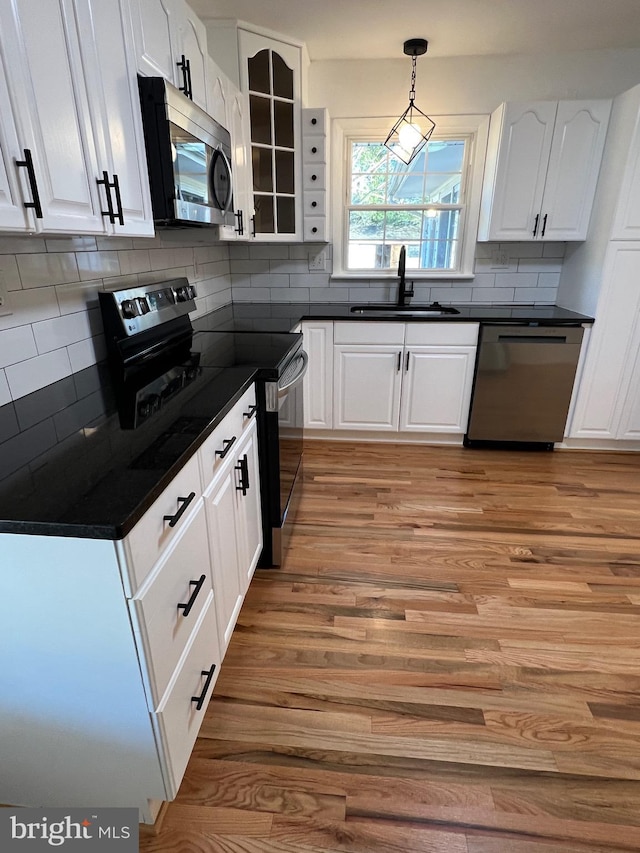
x,y
272,72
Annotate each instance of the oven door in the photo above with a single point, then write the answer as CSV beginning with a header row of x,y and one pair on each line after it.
x,y
290,428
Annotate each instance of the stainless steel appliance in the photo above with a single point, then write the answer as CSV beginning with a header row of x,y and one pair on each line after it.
x,y
188,158
523,384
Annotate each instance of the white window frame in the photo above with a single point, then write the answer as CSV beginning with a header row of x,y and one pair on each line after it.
x,y
474,128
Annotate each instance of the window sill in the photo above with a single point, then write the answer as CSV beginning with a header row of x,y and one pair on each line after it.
x,y
392,277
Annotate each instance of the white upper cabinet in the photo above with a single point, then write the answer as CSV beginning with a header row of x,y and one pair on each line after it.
x,y
543,160
626,224
108,68
171,42
72,153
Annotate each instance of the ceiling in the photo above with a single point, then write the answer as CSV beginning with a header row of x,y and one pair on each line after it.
x,y
365,29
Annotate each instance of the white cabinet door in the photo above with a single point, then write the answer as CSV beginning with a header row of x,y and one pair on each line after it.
x,y
220,503
49,110
13,214
318,380
153,25
367,382
608,367
249,518
191,43
106,65
541,170
574,164
626,224
436,389
517,158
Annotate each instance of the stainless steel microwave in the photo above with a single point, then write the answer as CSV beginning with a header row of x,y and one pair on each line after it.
x,y
188,158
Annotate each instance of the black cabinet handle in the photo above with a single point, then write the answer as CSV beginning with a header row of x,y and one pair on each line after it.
x,y
185,66
250,413
192,599
253,226
116,189
399,362
27,164
199,700
314,204
535,225
314,150
314,177
406,363
240,227
174,519
108,186
243,468
544,225
226,447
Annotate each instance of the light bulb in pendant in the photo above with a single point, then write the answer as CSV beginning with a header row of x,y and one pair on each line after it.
x,y
409,136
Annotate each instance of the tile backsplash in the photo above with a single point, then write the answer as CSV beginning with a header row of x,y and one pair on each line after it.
x,y
54,327
280,273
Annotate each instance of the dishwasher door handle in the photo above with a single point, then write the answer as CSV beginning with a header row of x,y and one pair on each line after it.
x,y
531,339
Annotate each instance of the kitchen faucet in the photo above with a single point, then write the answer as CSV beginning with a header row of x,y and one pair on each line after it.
x,y
404,293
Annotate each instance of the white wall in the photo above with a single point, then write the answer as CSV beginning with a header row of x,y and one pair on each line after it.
x,y
476,84
55,327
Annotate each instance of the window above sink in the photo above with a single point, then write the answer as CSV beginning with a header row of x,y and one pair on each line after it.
x,y
431,205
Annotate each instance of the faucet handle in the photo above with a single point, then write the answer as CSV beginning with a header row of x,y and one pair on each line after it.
x,y
409,290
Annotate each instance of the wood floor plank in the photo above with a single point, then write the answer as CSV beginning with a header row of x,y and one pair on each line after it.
x,y
448,660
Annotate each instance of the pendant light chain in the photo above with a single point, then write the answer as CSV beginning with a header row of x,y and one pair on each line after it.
x,y
412,93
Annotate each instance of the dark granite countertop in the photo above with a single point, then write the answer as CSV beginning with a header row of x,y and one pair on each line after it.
x,y
68,468
283,316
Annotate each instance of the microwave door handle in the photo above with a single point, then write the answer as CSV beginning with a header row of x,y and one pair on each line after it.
x,y
227,166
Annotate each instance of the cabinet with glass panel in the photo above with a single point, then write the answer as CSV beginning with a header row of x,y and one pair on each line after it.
x,y
270,72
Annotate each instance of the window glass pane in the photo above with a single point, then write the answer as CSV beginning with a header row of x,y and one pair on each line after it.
x,y
284,172
439,224
263,205
368,224
368,189
286,211
444,189
283,123
368,157
282,78
262,172
403,224
258,67
260,109
445,156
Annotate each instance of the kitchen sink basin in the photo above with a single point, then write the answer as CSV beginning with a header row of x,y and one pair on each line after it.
x,y
433,310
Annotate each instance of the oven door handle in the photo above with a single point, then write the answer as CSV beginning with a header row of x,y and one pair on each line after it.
x,y
304,358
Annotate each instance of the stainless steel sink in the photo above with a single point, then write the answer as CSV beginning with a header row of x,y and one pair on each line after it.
x,y
433,310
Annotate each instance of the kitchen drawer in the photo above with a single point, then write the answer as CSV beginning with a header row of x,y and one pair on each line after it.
x,y
446,334
314,121
368,333
314,177
155,532
314,228
224,438
314,149
315,203
178,715
183,576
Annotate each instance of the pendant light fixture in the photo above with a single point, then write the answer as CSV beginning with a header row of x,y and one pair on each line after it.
x,y
412,130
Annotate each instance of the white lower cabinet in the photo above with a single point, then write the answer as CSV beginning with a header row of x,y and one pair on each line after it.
x,y
318,380
397,377
107,674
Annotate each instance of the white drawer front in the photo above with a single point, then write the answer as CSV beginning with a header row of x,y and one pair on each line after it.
x,y
225,437
315,228
446,334
368,333
314,120
178,715
313,149
314,177
155,530
315,203
183,577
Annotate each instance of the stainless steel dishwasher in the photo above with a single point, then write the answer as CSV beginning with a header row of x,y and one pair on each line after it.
x,y
523,384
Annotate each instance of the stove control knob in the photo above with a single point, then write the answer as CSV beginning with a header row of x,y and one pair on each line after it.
x,y
129,308
181,294
143,305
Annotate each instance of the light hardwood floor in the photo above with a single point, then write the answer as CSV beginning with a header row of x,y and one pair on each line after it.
x,y
448,661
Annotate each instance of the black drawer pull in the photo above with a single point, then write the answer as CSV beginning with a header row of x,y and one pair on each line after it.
x,y
314,204
243,468
250,413
314,177
199,700
174,519
227,444
27,164
544,225
314,150
192,599
535,224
